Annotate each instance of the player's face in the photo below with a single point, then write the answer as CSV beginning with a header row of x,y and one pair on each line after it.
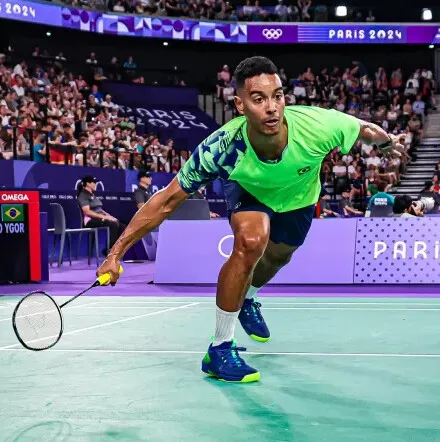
x,y
261,100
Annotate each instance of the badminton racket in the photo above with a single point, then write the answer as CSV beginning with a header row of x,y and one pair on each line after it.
x,y
37,319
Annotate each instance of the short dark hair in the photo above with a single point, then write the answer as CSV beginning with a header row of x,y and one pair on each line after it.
x,y
401,203
252,67
381,186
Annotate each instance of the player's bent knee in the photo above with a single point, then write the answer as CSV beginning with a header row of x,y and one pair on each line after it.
x,y
251,246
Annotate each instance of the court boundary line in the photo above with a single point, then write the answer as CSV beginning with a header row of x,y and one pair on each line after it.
x,y
198,352
67,308
106,324
279,308
124,301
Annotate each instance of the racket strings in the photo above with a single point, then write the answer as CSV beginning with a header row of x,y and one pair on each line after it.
x,y
38,321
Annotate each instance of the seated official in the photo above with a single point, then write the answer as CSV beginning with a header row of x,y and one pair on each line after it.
x,y
94,214
143,193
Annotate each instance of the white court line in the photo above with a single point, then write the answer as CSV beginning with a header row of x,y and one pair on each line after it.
x,y
106,307
65,308
123,301
105,324
196,352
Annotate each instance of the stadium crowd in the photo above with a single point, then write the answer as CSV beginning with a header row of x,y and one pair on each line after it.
x,y
248,10
62,117
53,115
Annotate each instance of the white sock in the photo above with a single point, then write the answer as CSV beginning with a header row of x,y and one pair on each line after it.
x,y
252,292
224,326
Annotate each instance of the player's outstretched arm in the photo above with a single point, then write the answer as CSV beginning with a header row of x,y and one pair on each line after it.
x,y
371,133
159,207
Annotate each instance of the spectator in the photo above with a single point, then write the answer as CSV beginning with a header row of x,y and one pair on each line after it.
x,y
419,107
380,204
130,66
347,206
370,16
92,59
281,11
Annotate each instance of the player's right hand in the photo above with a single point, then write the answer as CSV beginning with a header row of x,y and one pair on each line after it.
x,y
110,265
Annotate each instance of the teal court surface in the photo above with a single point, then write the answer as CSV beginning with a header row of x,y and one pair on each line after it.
x,y
128,369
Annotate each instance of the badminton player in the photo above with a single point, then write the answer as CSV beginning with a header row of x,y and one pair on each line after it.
x,y
269,159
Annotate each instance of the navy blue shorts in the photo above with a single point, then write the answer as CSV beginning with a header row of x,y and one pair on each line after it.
x,y
290,228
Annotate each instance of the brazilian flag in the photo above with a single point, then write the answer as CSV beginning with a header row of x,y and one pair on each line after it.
x,y
12,213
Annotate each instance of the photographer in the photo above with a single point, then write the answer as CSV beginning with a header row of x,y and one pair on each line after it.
x,y
405,207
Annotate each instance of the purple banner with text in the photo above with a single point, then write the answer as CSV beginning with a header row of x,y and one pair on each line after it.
x,y
193,252
397,251
169,112
224,32
339,251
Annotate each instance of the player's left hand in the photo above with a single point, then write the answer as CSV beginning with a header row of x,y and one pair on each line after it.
x,y
397,144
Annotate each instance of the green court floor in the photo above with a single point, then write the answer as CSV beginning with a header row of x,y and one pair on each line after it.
x,y
128,369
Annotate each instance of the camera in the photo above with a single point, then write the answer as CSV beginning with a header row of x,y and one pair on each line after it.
x,y
426,203
422,206
405,206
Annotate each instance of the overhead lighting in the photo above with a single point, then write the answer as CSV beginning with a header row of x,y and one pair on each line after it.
x,y
426,14
341,11
431,46
165,43
48,33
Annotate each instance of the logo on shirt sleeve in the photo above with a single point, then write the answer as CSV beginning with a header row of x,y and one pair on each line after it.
x,y
304,170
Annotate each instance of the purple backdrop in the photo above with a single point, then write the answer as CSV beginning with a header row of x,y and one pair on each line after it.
x,y
140,95
30,175
192,252
6,174
336,251
187,126
169,112
397,250
159,180
178,29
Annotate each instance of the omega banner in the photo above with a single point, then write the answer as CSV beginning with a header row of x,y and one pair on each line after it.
x,y
336,251
20,242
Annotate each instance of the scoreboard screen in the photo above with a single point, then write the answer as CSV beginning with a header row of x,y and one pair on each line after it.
x,y
19,236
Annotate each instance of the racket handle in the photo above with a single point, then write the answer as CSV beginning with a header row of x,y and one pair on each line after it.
x,y
106,277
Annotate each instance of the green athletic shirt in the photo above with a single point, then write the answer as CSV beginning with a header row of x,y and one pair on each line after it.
x,y
292,182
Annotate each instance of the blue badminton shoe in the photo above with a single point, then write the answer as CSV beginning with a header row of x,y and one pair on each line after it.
x,y
224,363
253,322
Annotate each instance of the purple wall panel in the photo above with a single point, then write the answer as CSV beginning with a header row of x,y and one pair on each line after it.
x,y
192,252
397,251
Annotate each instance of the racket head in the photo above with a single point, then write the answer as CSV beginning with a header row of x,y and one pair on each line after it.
x,y
37,321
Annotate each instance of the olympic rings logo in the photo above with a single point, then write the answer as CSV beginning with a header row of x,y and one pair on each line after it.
x,y
272,34
220,246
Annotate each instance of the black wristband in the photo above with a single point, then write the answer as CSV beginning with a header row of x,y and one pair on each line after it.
x,y
386,145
